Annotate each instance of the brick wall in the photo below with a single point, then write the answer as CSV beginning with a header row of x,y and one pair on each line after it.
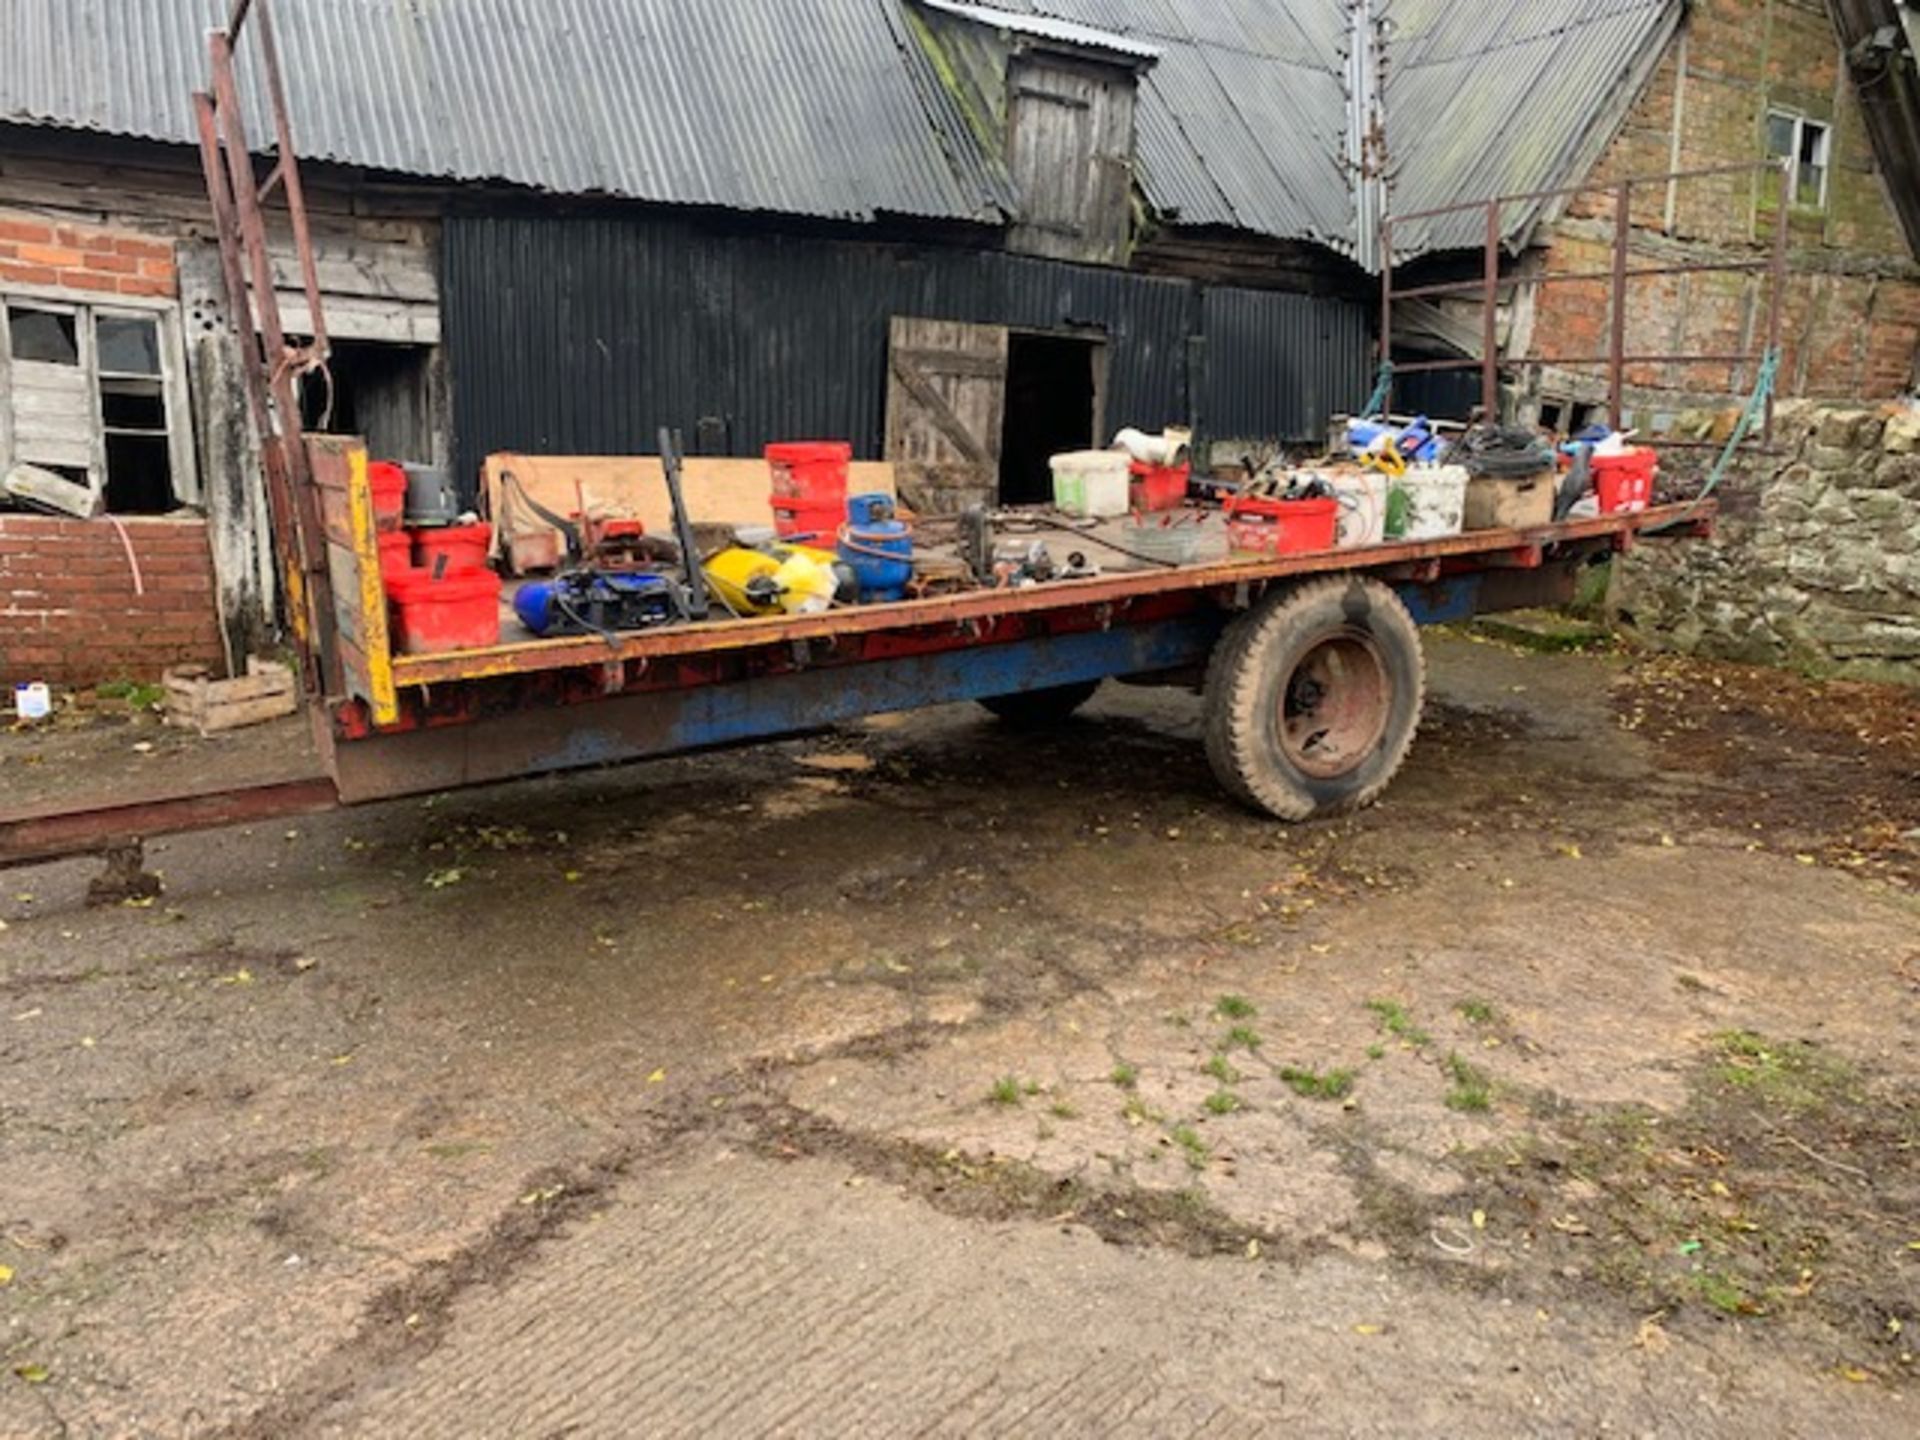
x,y
69,613
35,250
1851,318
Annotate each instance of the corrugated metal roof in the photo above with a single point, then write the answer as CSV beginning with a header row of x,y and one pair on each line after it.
x,y
831,108
808,107
1045,27
1506,97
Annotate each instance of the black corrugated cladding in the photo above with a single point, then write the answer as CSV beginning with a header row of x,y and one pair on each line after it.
x,y
585,335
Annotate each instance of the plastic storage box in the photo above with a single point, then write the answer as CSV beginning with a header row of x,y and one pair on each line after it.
x,y
1091,482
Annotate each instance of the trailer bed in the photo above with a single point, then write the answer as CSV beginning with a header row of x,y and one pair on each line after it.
x,y
1452,555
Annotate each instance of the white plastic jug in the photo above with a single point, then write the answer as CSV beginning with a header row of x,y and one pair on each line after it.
x,y
32,701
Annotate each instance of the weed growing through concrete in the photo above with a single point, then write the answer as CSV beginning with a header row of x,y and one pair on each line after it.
x,y
1005,1091
1189,1141
1471,1089
1724,1295
1397,1022
1221,1069
1235,1007
1333,1085
1790,1073
1137,1112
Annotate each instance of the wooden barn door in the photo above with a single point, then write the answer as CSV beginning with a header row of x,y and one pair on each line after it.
x,y
946,407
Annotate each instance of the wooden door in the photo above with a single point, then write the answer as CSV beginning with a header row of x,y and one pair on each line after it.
x,y
946,405
1070,151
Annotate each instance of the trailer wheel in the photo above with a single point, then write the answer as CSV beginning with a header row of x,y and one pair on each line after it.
x,y
1313,697
1037,709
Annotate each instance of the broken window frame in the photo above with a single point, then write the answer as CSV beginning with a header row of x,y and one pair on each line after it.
x,y
182,461
1802,126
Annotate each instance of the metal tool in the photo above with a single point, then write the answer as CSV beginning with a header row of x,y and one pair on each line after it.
x,y
682,524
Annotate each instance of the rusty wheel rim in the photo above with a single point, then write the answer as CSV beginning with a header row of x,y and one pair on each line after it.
x,y
1335,705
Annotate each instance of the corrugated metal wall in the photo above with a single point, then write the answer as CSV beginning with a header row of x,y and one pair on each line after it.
x,y
586,335
1278,365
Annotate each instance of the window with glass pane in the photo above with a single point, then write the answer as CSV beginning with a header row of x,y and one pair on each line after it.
x,y
1805,144
1780,134
46,337
129,345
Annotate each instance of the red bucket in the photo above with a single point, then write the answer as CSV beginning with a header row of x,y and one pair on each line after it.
x,y
1282,527
1625,481
459,611
396,555
1157,487
389,485
814,470
465,546
821,518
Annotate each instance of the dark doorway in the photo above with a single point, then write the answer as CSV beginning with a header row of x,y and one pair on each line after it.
x,y
386,393
1052,406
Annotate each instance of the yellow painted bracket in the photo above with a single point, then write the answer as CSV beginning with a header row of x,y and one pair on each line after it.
x,y
376,641
362,641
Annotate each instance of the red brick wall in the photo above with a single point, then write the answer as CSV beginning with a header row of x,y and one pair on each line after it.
x,y
39,251
1851,319
68,611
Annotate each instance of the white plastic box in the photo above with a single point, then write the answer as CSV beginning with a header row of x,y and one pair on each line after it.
x,y
1090,482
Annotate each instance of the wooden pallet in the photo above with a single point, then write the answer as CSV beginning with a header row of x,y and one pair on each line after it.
x,y
198,701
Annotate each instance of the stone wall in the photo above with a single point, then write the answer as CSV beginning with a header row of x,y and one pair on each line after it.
x,y
1816,558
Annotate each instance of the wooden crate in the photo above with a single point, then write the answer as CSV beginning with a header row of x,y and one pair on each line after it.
x,y
196,700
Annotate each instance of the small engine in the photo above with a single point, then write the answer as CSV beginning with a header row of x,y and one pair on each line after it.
x,y
593,602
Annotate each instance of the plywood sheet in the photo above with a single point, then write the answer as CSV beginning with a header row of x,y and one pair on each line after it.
x,y
724,491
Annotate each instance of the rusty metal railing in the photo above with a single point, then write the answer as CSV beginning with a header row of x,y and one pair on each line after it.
x,y
1491,283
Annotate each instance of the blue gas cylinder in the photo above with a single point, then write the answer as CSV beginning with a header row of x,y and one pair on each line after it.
x,y
878,547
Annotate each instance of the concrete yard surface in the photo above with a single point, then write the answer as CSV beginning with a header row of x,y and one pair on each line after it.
x,y
930,1077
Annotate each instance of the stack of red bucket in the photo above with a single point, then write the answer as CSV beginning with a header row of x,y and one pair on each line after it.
x,y
810,488
440,593
1624,482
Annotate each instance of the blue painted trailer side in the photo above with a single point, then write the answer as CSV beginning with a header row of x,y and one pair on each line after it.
x,y
666,722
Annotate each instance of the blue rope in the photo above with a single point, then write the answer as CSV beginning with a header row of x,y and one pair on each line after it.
x,y
1756,409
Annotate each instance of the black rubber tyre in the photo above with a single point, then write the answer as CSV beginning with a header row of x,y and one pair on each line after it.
x,y
1038,709
1313,697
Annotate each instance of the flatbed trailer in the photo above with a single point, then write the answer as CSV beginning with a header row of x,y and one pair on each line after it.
x,y
1310,667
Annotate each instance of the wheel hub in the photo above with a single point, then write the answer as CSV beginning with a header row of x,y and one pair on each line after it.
x,y
1335,704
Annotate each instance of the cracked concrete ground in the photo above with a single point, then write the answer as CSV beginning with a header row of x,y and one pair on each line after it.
x,y
930,1078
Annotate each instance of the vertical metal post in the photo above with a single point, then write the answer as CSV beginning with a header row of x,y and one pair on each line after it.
x,y
1386,307
1490,323
1617,341
1777,291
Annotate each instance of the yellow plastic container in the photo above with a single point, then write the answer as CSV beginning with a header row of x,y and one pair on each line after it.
x,y
735,568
